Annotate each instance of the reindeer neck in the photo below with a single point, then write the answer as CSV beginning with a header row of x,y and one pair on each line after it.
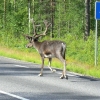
x,y
37,45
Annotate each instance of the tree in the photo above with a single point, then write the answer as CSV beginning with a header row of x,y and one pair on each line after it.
x,y
52,15
29,14
4,15
87,19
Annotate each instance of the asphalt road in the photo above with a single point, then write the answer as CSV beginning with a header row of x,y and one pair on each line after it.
x,y
19,81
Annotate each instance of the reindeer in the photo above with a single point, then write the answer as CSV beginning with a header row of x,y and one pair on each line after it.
x,y
48,49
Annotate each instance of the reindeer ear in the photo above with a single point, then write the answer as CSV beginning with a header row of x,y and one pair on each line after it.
x,y
36,39
28,37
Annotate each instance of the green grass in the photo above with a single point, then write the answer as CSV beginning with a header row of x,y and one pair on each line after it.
x,y
34,57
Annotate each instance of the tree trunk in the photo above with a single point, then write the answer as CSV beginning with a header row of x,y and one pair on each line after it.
x,y
52,16
29,15
87,19
4,16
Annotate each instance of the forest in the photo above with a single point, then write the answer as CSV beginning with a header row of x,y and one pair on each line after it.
x,y
72,21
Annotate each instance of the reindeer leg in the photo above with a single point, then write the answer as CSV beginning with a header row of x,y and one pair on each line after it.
x,y
53,70
64,72
41,72
64,69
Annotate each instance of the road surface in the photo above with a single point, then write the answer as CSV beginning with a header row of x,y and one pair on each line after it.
x,y
19,81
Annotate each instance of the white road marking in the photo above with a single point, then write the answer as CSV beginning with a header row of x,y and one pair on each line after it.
x,y
13,95
21,66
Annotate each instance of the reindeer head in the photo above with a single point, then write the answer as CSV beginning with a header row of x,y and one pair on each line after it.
x,y
33,39
30,39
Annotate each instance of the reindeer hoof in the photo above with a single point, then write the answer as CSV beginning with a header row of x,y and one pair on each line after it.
x,y
66,77
40,74
62,76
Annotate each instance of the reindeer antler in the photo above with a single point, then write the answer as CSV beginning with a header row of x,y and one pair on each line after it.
x,y
34,27
46,25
